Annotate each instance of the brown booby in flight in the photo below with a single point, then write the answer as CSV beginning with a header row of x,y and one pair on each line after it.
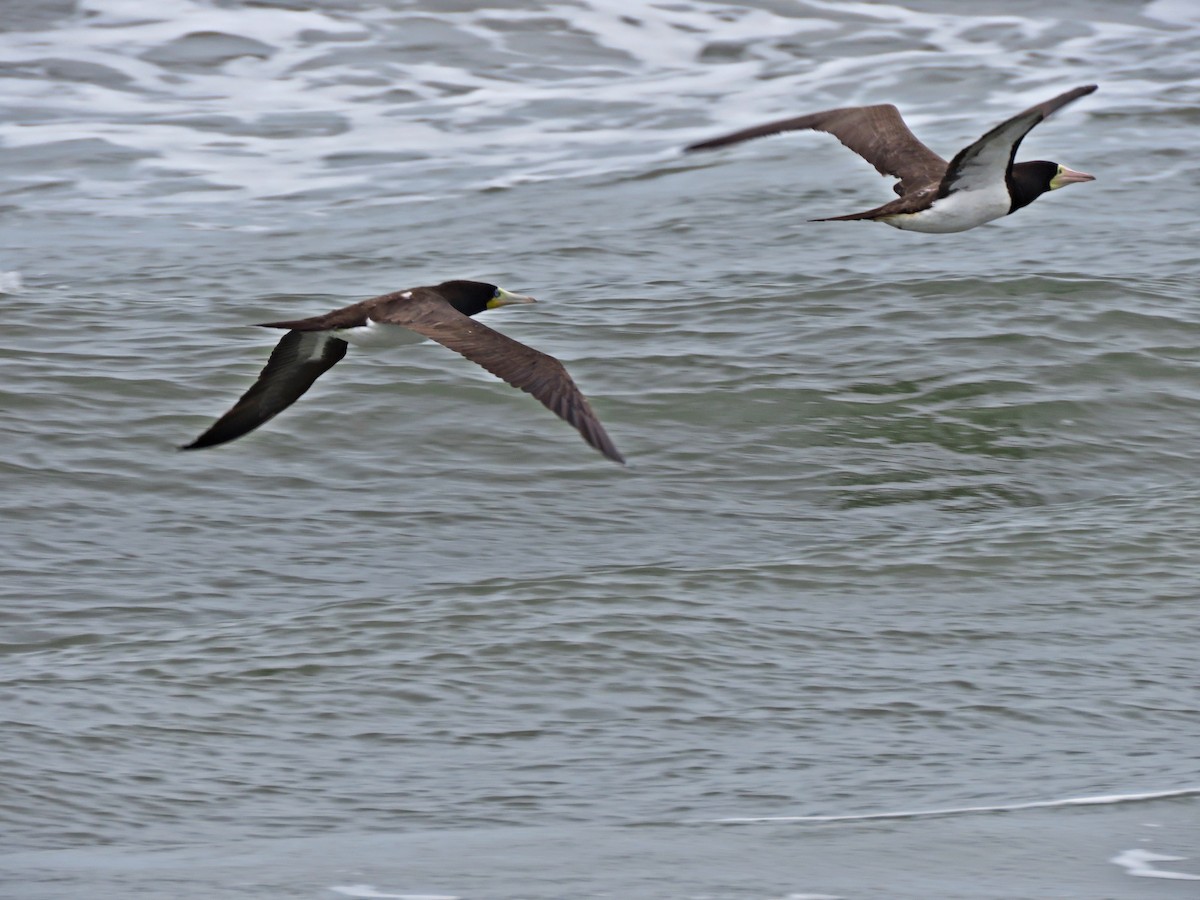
x,y
981,183
441,313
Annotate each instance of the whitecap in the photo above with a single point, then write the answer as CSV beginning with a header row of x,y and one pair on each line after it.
x,y
1102,800
10,282
368,892
1178,12
1138,862
651,79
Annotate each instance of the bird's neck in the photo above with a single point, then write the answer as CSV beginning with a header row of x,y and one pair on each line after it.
x,y
1024,187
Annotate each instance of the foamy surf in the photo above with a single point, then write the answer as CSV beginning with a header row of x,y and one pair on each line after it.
x,y
602,92
1102,800
10,282
1139,863
368,892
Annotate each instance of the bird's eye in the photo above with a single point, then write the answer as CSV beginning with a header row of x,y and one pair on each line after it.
x,y
496,295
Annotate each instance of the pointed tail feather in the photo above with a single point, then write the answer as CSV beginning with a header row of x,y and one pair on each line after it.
x,y
870,214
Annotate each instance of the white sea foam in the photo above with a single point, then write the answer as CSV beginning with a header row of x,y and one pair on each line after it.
x,y
1138,862
368,892
10,282
1180,12
1101,800
296,101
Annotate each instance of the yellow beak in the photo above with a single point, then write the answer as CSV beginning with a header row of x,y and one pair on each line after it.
x,y
1068,176
504,298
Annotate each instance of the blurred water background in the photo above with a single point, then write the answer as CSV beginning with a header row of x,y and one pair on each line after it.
x,y
896,599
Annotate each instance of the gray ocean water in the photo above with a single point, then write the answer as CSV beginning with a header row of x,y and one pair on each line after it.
x,y
897,598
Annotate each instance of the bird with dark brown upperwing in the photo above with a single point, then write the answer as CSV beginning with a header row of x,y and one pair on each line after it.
x,y
981,183
441,313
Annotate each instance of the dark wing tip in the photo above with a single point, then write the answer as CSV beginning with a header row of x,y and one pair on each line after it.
x,y
1075,94
208,439
1057,103
766,129
710,144
744,134
562,397
536,373
602,442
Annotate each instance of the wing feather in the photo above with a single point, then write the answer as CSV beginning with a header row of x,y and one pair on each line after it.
x,y
298,360
989,159
534,372
876,133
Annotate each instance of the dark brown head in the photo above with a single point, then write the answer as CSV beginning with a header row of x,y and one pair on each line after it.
x,y
473,297
1029,180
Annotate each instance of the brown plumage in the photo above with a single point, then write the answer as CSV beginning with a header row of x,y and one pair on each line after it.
x,y
441,313
879,135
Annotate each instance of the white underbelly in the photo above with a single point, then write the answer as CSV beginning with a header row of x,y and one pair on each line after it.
x,y
958,212
379,335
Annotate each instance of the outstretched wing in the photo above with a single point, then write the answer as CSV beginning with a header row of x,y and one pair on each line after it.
x,y
987,161
876,133
523,367
298,360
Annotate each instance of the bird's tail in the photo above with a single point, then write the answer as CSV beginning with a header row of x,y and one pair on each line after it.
x,y
869,214
313,323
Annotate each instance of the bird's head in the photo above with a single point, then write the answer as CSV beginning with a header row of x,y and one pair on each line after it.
x,y
472,297
1050,175
1034,178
